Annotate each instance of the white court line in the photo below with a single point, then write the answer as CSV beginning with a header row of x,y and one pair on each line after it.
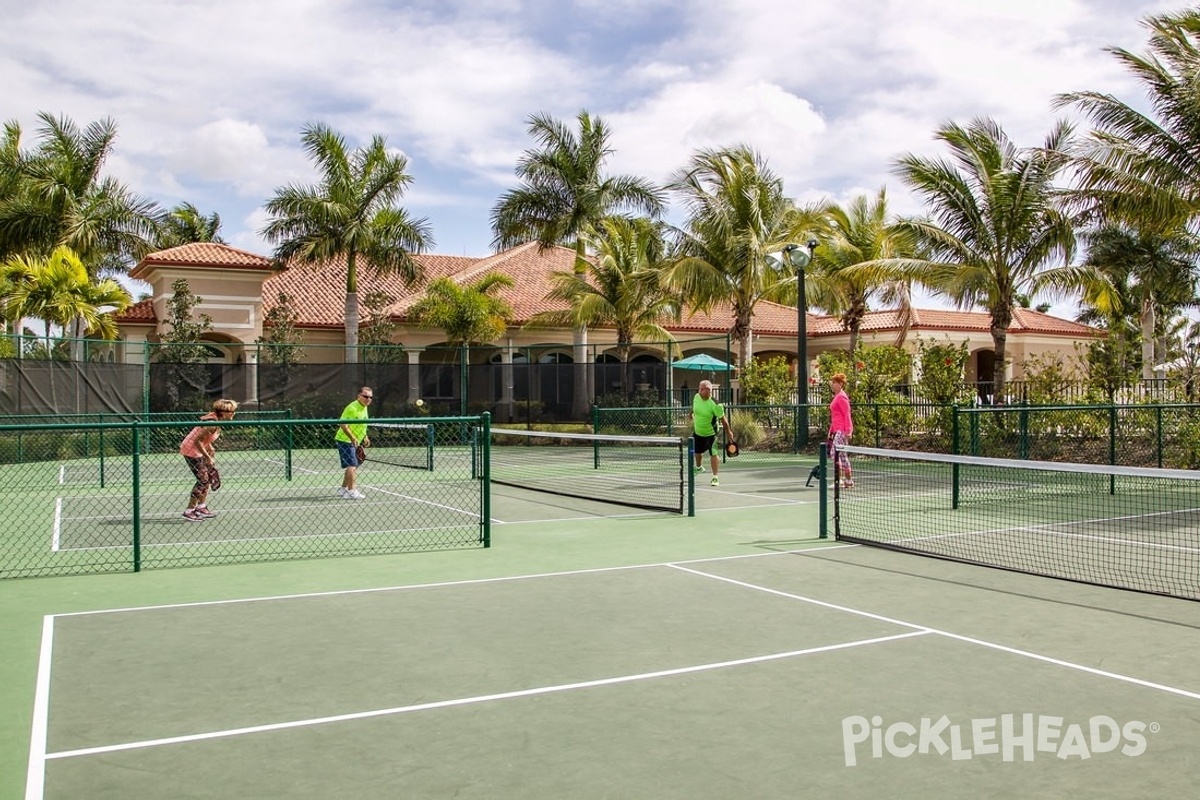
x,y
62,474
980,642
444,584
252,539
485,698
376,488
35,777
1050,528
455,509
782,501
56,536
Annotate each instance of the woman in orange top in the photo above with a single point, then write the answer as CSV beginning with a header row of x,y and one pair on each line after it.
x,y
199,450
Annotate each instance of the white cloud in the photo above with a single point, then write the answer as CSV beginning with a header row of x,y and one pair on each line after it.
x,y
210,97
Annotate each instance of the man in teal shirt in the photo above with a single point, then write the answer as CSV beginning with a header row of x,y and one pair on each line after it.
x,y
351,433
705,413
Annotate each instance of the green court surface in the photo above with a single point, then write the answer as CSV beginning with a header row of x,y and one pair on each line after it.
x,y
600,652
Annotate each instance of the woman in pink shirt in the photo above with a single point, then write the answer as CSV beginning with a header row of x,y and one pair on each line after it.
x,y
841,427
199,451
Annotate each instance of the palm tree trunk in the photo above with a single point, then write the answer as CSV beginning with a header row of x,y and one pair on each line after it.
x,y
1147,322
1000,345
581,402
351,308
351,312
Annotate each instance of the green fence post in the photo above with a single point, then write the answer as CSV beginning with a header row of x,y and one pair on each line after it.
x,y
954,428
1158,434
137,499
1023,428
691,477
146,379
486,488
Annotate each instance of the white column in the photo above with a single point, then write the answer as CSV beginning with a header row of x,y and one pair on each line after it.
x,y
506,382
414,373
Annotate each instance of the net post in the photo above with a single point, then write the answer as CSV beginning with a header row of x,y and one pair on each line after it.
x,y
691,474
288,446
823,499
430,441
955,479
486,484
1112,446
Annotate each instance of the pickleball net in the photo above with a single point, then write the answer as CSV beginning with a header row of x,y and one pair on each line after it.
x,y
648,472
403,444
1122,527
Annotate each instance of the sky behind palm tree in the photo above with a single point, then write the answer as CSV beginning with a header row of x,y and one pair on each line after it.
x,y
210,97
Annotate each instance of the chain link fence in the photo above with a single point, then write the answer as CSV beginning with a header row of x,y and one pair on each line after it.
x,y
1152,435
109,497
1159,435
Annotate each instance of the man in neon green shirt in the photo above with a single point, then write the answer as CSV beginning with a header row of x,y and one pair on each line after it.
x,y
705,413
351,433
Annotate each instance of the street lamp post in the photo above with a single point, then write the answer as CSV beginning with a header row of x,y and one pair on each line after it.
x,y
799,257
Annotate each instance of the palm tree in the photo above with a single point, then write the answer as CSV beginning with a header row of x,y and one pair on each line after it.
x,y
185,224
55,196
351,213
58,290
995,227
1144,275
621,287
858,234
1145,168
470,314
737,214
564,192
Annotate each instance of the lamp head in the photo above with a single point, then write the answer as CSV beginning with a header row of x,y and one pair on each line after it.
x,y
797,256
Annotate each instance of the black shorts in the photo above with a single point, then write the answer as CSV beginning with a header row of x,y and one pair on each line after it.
x,y
704,444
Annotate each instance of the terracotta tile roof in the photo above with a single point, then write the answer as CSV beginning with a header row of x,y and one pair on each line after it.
x,y
769,318
202,254
530,271
319,294
140,313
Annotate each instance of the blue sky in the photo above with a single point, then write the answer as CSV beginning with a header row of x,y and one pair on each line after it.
x,y
210,96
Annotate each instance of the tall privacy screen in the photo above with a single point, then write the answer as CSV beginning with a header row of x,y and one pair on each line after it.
x,y
1124,527
110,497
649,472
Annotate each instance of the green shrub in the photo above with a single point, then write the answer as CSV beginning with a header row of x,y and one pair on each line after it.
x,y
746,429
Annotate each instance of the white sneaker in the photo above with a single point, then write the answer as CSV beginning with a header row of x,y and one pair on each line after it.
x,y
342,491
355,494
